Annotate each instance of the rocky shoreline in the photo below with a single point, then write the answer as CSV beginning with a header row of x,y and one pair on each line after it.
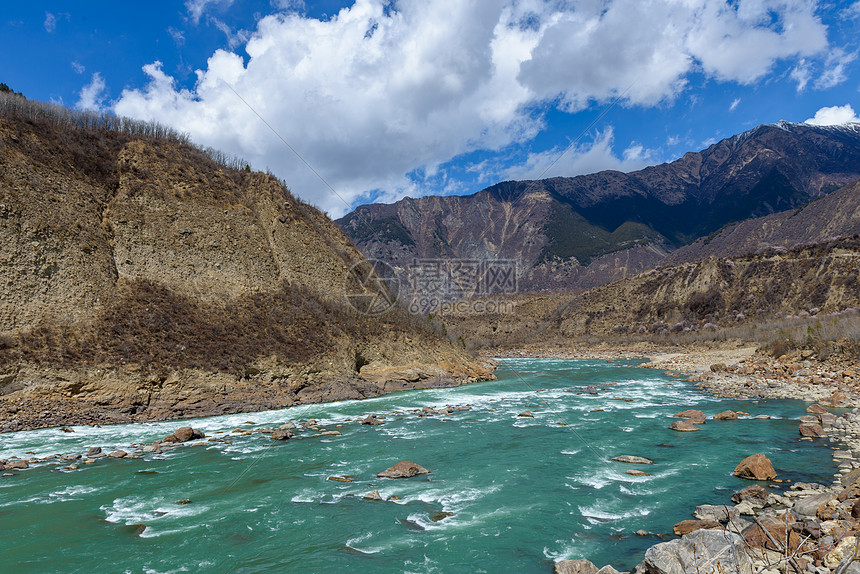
x,y
33,398
807,529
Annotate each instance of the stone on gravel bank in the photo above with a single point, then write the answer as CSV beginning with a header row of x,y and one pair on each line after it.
x,y
581,567
700,552
687,526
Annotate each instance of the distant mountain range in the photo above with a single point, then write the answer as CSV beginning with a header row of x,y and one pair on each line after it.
x,y
578,232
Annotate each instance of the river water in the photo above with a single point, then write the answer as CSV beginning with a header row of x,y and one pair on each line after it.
x,y
521,492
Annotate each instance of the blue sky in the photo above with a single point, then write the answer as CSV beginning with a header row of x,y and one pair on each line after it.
x,y
415,97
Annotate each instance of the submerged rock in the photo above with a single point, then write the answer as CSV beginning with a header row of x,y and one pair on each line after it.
x,y
636,473
527,414
403,469
755,467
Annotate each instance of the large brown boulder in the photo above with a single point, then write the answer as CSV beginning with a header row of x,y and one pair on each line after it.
x,y
755,467
403,469
687,526
183,434
683,426
726,416
816,409
811,430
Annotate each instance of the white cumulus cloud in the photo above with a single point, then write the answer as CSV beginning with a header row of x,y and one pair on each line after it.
x,y
384,90
91,97
833,116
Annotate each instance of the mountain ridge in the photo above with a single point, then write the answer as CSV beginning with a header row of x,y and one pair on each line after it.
x,y
559,226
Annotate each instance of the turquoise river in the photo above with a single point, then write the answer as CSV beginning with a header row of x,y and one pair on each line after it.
x,y
521,492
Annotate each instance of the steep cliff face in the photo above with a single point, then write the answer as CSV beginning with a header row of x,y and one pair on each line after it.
x,y
139,280
565,231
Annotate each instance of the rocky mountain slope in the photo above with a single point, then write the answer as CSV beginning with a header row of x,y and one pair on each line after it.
x,y
833,215
743,293
139,280
592,229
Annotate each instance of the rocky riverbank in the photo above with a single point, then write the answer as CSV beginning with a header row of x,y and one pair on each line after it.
x,y
39,398
806,529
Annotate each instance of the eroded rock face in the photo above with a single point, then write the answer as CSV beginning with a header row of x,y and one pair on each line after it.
x,y
755,467
701,552
403,469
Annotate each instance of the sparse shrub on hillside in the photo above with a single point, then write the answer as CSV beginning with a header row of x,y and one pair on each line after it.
x,y
704,304
150,326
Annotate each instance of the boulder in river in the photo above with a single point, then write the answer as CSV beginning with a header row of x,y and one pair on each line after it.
x,y
403,469
118,454
683,426
755,467
279,434
17,465
636,473
372,421
184,434
372,495
95,451
632,459
811,430
816,409
687,526
726,416
701,552
693,415
527,414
